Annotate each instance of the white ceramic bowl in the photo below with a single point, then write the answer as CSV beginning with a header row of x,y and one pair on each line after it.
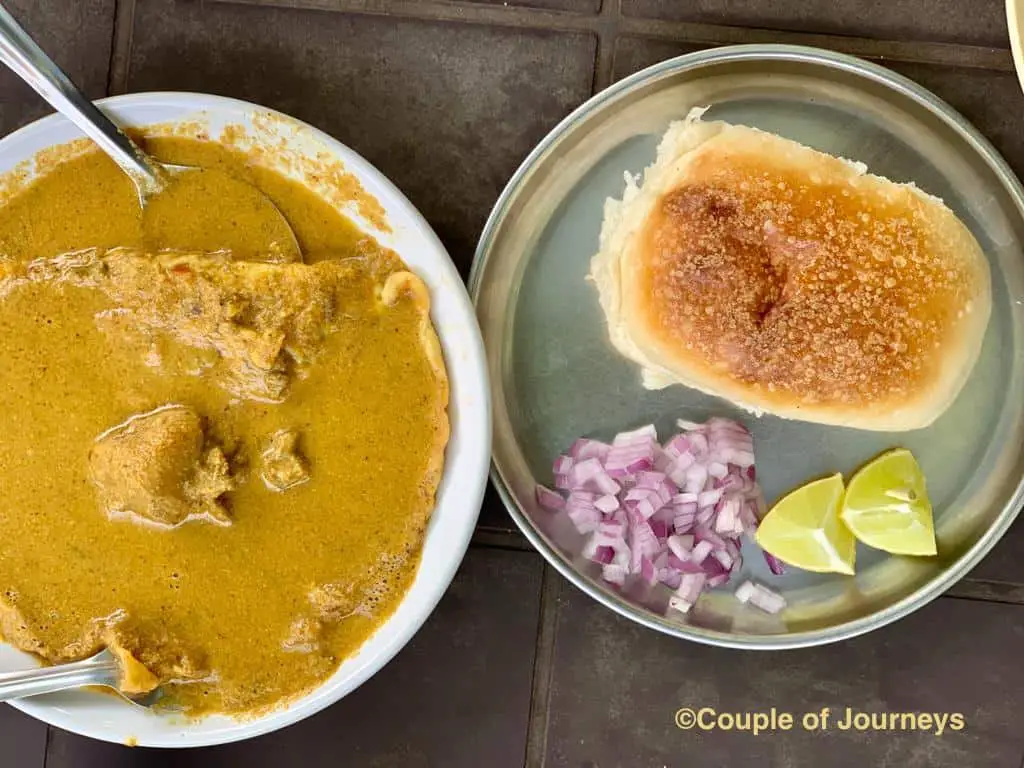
x,y
465,474
1015,27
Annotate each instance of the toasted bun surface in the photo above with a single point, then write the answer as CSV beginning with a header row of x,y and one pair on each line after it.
x,y
791,282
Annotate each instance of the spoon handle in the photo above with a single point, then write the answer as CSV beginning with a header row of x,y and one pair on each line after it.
x,y
33,682
20,52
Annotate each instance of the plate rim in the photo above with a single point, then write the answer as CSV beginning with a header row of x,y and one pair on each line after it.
x,y
852,65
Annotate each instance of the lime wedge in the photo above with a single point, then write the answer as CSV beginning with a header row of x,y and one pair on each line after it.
x,y
887,507
804,530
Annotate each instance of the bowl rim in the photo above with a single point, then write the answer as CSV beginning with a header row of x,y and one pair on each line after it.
x,y
853,65
1015,29
470,421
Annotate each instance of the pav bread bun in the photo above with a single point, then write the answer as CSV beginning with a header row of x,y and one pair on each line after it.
x,y
791,282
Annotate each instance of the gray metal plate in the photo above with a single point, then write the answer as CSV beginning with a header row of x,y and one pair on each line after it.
x,y
556,377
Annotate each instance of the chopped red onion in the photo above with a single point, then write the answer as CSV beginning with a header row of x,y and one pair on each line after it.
x,y
709,498
661,528
705,516
683,522
728,519
616,574
646,501
760,596
645,434
686,594
585,520
700,551
713,568
629,460
698,443
704,533
550,500
680,546
676,603
681,563
671,513
732,547
591,474
748,516
662,460
677,471
774,564
563,465
677,446
589,449
669,577
647,571
696,478
598,553
744,591
643,543
723,557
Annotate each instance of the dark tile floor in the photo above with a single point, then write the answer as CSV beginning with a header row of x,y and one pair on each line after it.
x,y
978,22
516,667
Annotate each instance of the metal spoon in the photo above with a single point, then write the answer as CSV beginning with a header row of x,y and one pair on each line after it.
x,y
21,53
101,669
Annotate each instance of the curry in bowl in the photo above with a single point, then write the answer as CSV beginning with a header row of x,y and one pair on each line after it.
x,y
217,463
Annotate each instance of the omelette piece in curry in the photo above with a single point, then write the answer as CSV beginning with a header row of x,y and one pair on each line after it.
x,y
220,468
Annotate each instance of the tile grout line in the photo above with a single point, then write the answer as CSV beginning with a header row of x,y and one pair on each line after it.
x,y
121,46
911,51
543,668
987,591
979,590
917,52
499,538
46,745
441,10
607,36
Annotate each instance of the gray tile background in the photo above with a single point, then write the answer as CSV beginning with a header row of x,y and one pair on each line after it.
x,y
77,34
978,22
516,667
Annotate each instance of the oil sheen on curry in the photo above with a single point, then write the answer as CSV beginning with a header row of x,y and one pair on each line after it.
x,y
218,464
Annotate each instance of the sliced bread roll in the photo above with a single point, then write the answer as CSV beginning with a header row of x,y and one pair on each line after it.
x,y
791,282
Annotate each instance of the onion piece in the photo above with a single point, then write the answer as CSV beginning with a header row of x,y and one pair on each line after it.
x,y
774,564
591,474
643,435
700,551
614,573
647,571
671,513
760,596
681,546
661,528
584,449
709,498
686,594
563,465
550,500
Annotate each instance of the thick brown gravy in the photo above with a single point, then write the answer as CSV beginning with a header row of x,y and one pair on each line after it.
x,y
320,387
